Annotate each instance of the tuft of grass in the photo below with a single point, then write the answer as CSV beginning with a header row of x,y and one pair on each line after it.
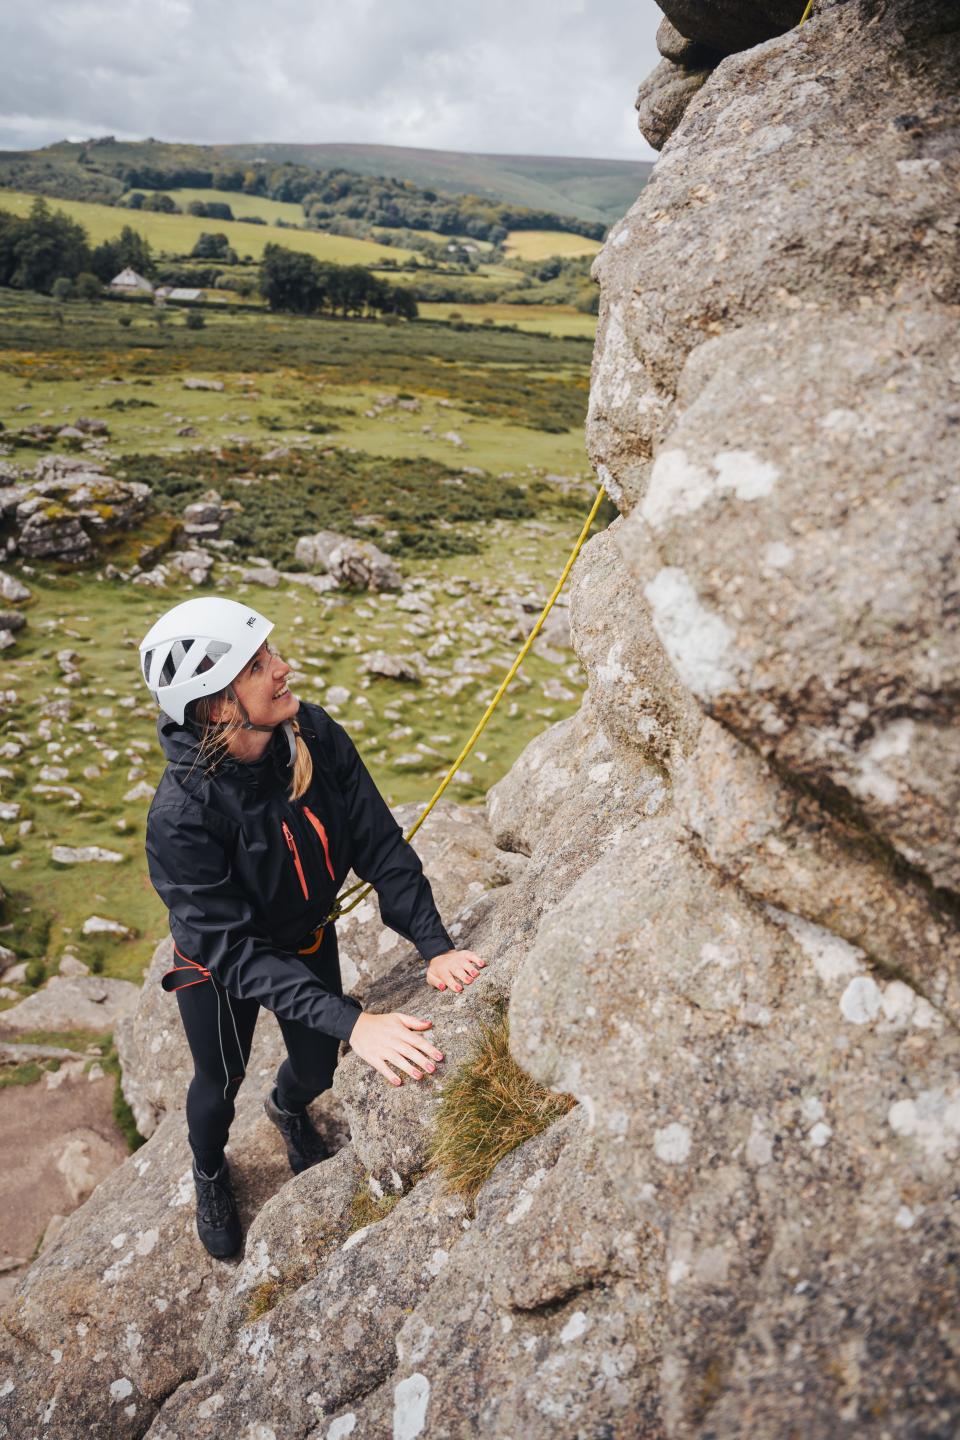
x,y
487,1108
27,1073
366,1209
267,1296
122,1114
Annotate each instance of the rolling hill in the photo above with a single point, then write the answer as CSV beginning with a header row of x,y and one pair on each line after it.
x,y
589,189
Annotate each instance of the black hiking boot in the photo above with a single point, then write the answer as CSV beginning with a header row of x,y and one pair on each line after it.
x,y
218,1223
304,1145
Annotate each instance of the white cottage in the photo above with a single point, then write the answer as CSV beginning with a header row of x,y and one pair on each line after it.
x,y
130,282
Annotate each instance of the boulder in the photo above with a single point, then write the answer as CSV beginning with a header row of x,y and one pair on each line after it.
x,y
84,855
393,667
728,25
854,696
354,564
104,1324
194,382
98,925
663,97
90,1002
750,132
69,504
13,588
261,575
562,1344
308,1380
193,565
764,1070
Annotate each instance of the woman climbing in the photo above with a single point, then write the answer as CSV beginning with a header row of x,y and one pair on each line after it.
x,y
254,826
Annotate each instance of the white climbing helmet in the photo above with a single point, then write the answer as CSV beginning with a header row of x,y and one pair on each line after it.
x,y
198,648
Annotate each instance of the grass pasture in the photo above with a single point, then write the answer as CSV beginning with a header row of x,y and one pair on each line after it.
x,y
542,244
240,203
561,320
176,235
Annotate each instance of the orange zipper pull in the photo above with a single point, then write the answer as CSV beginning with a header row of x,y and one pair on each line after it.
x,y
292,847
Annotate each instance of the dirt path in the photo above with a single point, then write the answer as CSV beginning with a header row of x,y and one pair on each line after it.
x,y
57,1141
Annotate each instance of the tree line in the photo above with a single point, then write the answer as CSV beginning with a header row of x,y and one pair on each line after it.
x,y
329,194
292,280
38,249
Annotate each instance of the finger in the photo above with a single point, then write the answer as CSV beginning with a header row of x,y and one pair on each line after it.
x,y
413,1022
435,981
420,1061
386,1072
402,1063
421,1052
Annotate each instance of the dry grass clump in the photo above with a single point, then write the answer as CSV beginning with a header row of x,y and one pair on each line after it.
x,y
488,1108
366,1209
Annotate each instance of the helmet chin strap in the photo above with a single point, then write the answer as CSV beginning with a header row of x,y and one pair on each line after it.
x,y
249,725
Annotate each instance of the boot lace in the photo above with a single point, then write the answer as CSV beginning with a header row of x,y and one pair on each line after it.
x,y
214,1202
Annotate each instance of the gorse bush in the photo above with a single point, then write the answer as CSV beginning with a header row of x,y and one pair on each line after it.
x,y
489,1107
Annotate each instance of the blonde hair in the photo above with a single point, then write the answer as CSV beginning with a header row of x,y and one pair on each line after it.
x,y
217,734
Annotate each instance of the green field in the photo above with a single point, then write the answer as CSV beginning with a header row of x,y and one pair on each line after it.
x,y
177,234
240,204
541,244
320,423
551,319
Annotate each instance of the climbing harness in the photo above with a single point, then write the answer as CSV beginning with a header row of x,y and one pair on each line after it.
x,y
339,907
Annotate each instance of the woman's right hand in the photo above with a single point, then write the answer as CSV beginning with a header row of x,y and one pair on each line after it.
x,y
394,1039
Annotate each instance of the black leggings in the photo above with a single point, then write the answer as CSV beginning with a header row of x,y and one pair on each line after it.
x,y
219,1030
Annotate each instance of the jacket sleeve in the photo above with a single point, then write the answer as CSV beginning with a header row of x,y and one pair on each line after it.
x,y
213,923
384,858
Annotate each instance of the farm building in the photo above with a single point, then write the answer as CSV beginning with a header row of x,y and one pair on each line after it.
x,y
131,282
176,292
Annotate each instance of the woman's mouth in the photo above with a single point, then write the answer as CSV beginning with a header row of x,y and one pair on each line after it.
x,y
282,694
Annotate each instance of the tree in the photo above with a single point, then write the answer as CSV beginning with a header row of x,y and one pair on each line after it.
x,y
129,249
291,280
214,246
49,244
87,286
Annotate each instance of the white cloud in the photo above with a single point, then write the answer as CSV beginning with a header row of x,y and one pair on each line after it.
x,y
539,77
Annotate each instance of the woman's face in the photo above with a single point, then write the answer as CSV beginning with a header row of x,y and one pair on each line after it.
x,y
262,689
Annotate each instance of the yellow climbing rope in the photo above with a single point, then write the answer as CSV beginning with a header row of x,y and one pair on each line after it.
x,y
339,908
806,12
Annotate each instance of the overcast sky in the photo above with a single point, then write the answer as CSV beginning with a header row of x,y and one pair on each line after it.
x,y
553,77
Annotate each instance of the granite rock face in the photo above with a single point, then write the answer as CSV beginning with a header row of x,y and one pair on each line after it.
x,y
725,907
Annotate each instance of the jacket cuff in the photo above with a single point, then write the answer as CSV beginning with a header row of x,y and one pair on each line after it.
x,y
341,1020
436,945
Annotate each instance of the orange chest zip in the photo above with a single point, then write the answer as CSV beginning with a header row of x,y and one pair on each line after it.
x,y
318,826
292,847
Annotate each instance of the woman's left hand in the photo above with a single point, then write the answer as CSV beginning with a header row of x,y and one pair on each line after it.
x,y
454,969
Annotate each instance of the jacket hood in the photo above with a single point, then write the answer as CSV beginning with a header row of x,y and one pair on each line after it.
x,y
181,745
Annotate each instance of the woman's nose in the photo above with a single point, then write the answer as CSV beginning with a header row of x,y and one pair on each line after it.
x,y
280,668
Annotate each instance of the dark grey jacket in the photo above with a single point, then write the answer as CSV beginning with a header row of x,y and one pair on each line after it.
x,y
248,876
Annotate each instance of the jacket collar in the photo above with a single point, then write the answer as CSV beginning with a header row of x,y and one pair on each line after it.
x,y
181,745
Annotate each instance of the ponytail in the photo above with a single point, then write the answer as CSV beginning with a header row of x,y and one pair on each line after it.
x,y
216,735
303,766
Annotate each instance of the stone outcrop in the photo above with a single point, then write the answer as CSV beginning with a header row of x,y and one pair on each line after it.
x,y
353,564
66,506
729,926
84,1002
